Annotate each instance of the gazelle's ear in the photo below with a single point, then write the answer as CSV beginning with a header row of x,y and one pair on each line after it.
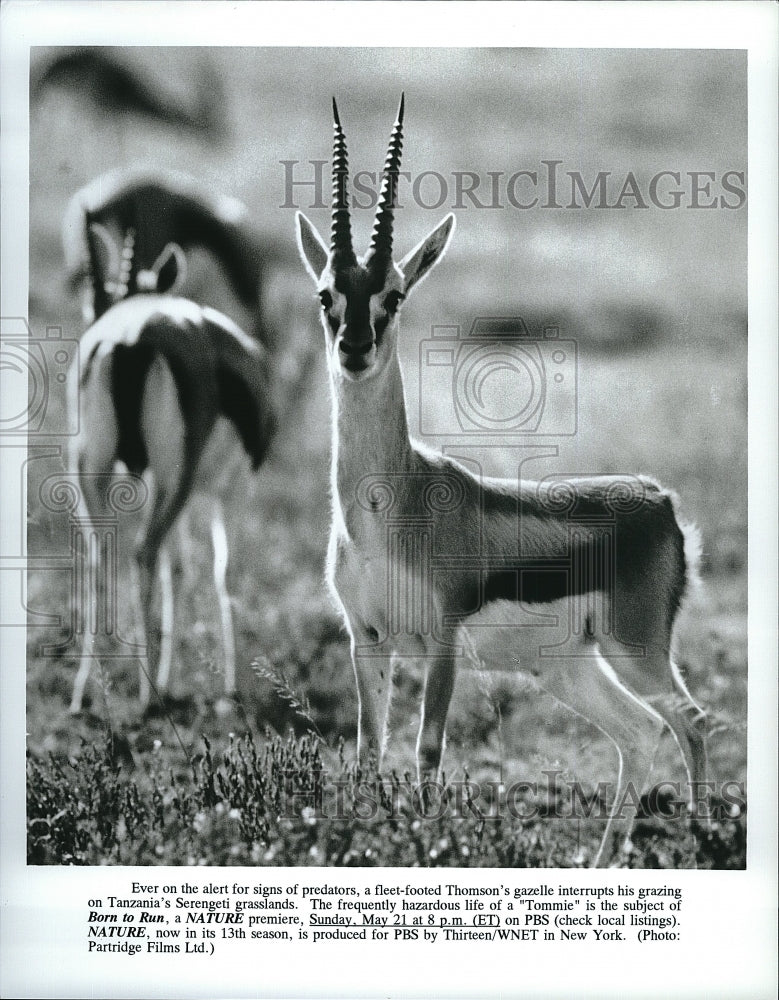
x,y
170,268
417,264
313,249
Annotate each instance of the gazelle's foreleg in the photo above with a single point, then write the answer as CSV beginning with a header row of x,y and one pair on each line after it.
x,y
439,684
373,675
590,687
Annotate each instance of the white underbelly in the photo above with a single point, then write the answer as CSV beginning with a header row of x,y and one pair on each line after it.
x,y
527,639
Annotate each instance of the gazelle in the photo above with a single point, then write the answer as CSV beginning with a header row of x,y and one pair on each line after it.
x,y
155,375
499,542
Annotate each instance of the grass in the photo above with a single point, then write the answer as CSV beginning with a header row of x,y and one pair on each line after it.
x,y
662,390
295,802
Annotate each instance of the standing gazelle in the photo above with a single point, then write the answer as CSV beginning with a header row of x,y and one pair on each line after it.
x,y
500,542
155,375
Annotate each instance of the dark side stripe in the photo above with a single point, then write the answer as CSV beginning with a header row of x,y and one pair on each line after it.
x,y
214,373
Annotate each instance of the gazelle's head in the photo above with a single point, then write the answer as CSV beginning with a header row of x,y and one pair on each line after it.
x,y
114,275
360,299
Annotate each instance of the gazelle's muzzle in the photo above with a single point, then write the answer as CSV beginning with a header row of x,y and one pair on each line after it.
x,y
354,356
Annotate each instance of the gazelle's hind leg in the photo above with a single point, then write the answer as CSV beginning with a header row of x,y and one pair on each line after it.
x,y
164,435
167,612
91,600
221,475
93,459
220,552
591,688
688,722
656,678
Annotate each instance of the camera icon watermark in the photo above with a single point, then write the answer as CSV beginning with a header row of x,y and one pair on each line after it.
x,y
498,380
30,368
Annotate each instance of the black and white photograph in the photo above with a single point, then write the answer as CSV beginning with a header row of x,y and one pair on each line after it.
x,y
384,433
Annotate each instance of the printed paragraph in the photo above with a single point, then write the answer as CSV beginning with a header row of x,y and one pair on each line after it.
x,y
190,919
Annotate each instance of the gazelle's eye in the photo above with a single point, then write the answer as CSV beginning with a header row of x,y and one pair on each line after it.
x,y
392,300
325,298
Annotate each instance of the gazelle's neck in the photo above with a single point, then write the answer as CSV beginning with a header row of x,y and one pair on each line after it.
x,y
370,433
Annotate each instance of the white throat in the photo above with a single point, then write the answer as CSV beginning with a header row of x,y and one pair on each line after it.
x,y
369,432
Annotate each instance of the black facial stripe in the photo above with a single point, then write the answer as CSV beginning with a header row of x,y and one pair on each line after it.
x,y
359,286
357,319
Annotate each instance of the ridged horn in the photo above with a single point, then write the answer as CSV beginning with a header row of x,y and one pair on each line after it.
x,y
341,234
126,265
101,300
381,238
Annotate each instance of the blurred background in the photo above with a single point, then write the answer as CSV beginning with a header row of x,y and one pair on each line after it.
x,y
655,299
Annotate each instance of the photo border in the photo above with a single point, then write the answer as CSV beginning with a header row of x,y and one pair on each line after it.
x,y
730,917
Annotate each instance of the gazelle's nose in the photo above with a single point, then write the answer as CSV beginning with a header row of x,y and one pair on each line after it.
x,y
354,355
350,348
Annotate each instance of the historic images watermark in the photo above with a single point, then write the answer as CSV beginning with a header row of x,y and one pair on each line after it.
x,y
31,368
497,379
549,184
554,797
